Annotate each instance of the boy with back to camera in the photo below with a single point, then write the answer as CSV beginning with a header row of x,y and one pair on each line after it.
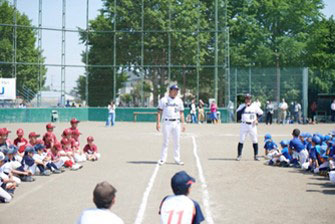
x,y
179,208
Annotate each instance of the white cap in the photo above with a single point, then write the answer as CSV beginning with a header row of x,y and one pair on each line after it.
x,y
2,156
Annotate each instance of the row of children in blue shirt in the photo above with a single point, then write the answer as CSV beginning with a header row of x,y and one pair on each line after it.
x,y
312,152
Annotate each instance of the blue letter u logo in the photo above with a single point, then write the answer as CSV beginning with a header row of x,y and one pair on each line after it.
x,y
2,90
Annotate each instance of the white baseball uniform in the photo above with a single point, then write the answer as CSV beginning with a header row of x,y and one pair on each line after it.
x,y
179,209
171,108
248,118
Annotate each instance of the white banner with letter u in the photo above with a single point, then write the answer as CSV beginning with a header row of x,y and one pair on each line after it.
x,y
7,88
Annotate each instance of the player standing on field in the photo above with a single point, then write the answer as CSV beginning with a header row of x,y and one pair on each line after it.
x,y
171,109
248,113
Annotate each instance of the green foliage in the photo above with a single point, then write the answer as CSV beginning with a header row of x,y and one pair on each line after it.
x,y
27,75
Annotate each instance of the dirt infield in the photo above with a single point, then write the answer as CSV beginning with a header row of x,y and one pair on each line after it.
x,y
228,191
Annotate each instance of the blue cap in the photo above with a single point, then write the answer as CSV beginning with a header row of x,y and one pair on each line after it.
x,y
326,138
12,149
180,182
284,143
332,133
174,87
39,147
267,137
316,139
29,149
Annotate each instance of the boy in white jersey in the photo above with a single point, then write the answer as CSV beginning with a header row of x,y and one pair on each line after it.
x,y
104,199
248,113
179,208
171,108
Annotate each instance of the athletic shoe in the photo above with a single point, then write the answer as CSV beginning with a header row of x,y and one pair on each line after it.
x,y
76,166
239,158
161,162
271,163
46,173
62,169
27,179
57,171
180,163
256,158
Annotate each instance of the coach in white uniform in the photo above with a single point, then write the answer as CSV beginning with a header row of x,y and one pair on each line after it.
x,y
171,109
248,113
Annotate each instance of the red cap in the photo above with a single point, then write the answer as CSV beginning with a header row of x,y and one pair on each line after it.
x,y
90,139
65,141
33,134
8,131
76,132
58,146
67,132
20,132
74,120
49,126
3,131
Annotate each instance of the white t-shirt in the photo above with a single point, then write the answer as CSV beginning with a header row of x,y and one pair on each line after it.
x,y
111,109
297,107
171,107
332,106
98,216
38,157
250,113
283,106
193,109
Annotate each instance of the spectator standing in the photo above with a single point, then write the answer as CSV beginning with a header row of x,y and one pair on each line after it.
x,y
332,108
314,108
283,111
297,112
111,114
193,112
269,112
214,116
201,112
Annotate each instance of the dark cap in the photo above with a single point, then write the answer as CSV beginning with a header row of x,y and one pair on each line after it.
x,y
49,126
12,149
103,195
174,87
29,149
33,134
39,147
248,96
180,182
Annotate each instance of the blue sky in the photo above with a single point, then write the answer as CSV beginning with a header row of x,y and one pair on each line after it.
x,y
75,17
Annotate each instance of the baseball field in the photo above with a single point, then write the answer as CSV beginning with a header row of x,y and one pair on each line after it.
x,y
228,191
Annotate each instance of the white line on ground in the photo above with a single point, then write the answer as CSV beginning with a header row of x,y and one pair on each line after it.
x,y
205,194
141,211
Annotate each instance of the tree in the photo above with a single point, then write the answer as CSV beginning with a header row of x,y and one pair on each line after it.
x,y
27,75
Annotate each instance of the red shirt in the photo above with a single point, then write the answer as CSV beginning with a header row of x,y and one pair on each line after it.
x,y
54,156
90,149
21,143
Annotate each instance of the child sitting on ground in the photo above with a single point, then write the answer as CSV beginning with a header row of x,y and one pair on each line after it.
x,y
91,150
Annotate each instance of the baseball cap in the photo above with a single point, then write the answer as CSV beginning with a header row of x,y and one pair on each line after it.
x,y
33,134
174,87
316,139
2,156
284,143
248,96
20,132
74,120
3,131
29,149
49,126
267,137
65,141
39,147
90,139
12,149
180,182
7,131
58,146
67,132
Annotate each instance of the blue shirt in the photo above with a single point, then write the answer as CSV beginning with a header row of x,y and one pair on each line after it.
x,y
297,145
332,152
269,145
286,153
